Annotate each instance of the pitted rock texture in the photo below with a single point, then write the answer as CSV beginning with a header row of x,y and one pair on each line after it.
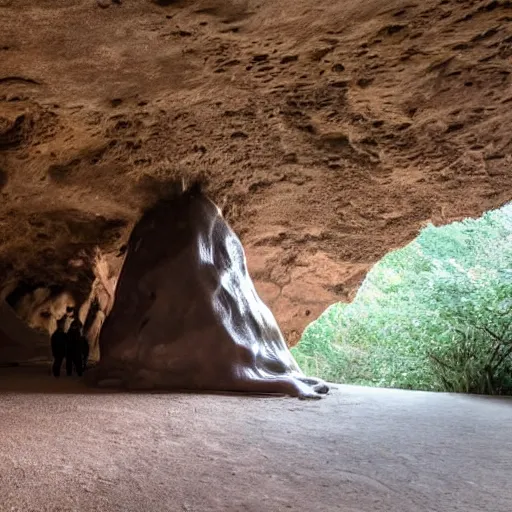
x,y
328,132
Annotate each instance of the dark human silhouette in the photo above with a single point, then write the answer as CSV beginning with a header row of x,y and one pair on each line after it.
x,y
74,348
84,344
59,346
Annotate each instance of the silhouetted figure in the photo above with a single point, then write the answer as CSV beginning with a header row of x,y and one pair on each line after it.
x,y
84,352
74,348
59,346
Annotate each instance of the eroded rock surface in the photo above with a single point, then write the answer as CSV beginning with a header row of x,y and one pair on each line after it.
x,y
186,314
328,132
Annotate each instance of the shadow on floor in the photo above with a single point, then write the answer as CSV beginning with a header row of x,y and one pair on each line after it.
x,y
37,378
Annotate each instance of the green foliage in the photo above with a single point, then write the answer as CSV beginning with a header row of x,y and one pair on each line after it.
x,y
435,315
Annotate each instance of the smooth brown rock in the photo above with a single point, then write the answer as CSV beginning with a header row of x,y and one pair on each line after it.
x,y
186,314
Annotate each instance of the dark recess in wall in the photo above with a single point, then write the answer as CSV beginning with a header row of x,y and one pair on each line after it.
x,y
3,179
24,288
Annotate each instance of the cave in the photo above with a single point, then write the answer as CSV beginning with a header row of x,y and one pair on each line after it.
x,y
196,181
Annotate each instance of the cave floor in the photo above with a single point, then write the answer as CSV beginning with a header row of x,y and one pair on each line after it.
x,y
65,447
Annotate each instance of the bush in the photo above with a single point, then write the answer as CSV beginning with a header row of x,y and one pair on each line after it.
x,y
435,315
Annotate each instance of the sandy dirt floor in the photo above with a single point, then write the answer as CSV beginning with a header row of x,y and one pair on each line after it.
x,y
66,448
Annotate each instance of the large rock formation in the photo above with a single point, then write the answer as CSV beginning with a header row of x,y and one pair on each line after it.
x,y
327,132
186,314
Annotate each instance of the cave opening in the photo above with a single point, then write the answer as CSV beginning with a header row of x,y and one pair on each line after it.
x,y
435,315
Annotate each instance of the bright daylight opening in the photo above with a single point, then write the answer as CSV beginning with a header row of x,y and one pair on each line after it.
x,y
435,315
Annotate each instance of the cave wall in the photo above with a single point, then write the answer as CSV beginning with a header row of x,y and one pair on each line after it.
x,y
41,309
18,342
327,132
